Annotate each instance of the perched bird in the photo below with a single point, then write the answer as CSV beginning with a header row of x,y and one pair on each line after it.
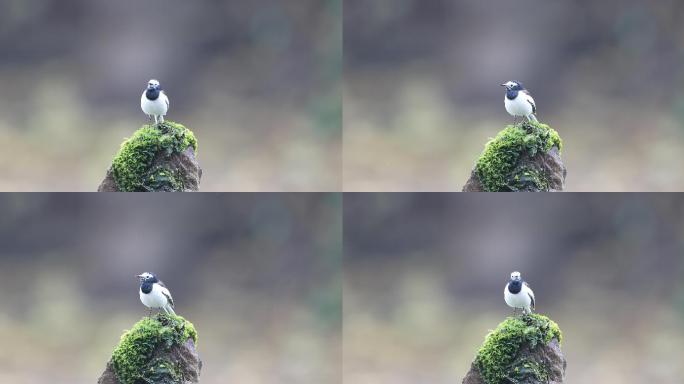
x,y
519,102
154,101
154,294
518,294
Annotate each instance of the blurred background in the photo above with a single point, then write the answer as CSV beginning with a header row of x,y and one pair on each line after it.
x,y
258,82
425,274
258,274
422,92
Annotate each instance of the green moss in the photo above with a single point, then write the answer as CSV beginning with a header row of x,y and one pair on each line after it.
x,y
526,178
501,154
497,358
133,358
131,166
161,178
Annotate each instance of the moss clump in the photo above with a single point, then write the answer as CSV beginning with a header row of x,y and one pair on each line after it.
x,y
131,166
496,359
134,358
500,157
161,178
527,177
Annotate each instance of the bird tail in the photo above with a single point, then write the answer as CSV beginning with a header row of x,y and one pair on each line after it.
x,y
531,117
169,310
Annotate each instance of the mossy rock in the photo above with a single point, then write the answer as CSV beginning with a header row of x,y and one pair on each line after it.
x,y
523,349
522,157
158,157
158,349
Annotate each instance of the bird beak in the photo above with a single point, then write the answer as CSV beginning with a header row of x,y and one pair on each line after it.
x,y
138,276
503,85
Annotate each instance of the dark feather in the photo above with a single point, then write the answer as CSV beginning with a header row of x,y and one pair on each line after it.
x,y
530,100
170,299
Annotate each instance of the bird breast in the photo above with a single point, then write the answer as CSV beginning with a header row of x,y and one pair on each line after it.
x,y
517,300
518,106
156,107
154,299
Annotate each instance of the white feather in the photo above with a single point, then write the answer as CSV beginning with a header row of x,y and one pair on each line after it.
x,y
157,298
520,300
522,105
156,108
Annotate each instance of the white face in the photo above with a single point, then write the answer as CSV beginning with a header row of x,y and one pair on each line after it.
x,y
515,275
509,84
153,83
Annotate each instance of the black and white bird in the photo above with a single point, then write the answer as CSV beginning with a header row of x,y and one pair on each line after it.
x,y
518,294
519,102
154,294
154,101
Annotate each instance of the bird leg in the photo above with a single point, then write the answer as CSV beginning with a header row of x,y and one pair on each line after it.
x,y
161,119
155,119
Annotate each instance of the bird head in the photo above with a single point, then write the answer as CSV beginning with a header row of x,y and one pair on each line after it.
x,y
153,84
146,276
515,275
513,86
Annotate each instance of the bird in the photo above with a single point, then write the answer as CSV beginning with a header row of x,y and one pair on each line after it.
x,y
154,101
518,294
154,294
519,102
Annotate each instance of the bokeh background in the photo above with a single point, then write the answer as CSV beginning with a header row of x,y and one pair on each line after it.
x,y
257,81
425,274
422,92
258,274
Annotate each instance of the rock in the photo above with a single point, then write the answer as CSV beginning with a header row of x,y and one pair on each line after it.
x,y
157,350
521,350
157,158
522,158
473,184
473,376
108,377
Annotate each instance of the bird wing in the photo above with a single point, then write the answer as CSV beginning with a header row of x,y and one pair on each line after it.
x,y
530,293
166,99
530,100
165,291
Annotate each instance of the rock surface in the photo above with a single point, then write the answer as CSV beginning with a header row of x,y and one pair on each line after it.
x,y
183,164
524,350
522,158
155,159
158,350
549,356
184,356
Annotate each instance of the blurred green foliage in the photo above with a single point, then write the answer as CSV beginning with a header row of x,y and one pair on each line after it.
x,y
259,275
425,275
421,89
259,83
